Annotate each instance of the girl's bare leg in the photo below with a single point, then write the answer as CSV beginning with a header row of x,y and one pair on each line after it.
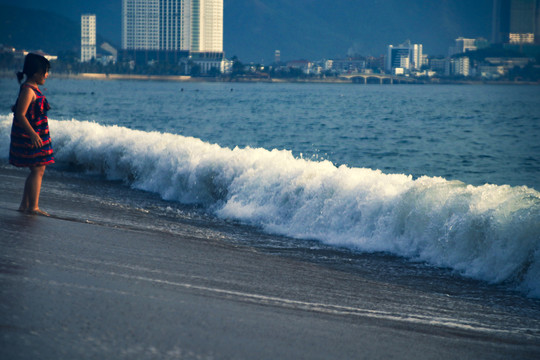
x,y
32,189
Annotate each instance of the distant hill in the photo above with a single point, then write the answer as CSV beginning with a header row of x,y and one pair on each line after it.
x,y
39,30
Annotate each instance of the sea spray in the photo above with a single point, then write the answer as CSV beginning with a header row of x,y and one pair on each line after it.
x,y
488,232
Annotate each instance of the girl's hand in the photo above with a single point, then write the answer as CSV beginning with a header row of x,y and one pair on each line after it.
x,y
36,140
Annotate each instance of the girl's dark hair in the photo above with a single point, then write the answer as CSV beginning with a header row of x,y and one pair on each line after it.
x,y
33,63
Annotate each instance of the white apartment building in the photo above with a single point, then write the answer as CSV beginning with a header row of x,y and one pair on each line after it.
x,y
140,24
175,25
88,37
212,25
416,57
459,66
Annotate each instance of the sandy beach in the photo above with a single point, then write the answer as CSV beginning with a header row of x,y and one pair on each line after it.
x,y
76,288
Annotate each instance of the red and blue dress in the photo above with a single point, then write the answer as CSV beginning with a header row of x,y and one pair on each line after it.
x,y
21,152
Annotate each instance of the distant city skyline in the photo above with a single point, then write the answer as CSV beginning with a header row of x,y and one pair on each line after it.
x,y
253,30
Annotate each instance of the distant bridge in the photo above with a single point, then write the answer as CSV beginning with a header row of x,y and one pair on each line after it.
x,y
379,79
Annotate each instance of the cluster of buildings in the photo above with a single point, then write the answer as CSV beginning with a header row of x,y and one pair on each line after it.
x,y
409,60
516,26
180,31
190,32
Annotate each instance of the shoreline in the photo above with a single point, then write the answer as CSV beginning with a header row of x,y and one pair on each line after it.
x,y
187,78
184,78
76,287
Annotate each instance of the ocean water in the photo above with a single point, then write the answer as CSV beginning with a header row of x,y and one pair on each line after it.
x,y
445,176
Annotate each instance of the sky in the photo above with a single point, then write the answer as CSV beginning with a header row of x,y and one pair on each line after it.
x,y
108,12
251,29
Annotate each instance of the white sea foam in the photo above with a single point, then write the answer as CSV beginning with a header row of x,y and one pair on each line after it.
x,y
485,232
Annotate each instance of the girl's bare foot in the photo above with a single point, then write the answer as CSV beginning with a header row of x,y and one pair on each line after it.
x,y
38,212
21,209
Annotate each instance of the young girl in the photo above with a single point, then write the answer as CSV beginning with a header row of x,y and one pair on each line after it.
x,y
30,141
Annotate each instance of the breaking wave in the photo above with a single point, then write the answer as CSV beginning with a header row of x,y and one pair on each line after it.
x,y
489,232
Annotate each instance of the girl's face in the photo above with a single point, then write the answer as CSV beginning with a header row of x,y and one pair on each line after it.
x,y
40,78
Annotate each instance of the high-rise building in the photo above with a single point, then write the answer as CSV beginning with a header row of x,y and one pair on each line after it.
x,y
173,25
395,56
140,24
515,21
206,25
415,56
88,37
406,56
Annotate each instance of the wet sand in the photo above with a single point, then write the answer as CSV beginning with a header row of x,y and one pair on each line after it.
x,y
74,288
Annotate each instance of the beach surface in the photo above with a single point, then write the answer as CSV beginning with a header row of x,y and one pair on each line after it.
x,y
76,287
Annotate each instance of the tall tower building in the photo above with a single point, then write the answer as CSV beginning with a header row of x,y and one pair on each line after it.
x,y
515,21
173,25
172,17
88,37
140,24
207,25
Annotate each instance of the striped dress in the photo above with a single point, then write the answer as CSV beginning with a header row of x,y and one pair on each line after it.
x,y
21,152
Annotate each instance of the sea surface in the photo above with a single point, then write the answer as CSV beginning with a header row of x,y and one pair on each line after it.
x,y
417,183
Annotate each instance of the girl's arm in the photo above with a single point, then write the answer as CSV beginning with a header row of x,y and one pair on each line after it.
x,y
25,99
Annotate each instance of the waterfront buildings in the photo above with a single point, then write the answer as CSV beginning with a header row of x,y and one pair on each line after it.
x,y
304,65
88,37
438,65
459,66
349,65
170,30
404,58
110,54
20,54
